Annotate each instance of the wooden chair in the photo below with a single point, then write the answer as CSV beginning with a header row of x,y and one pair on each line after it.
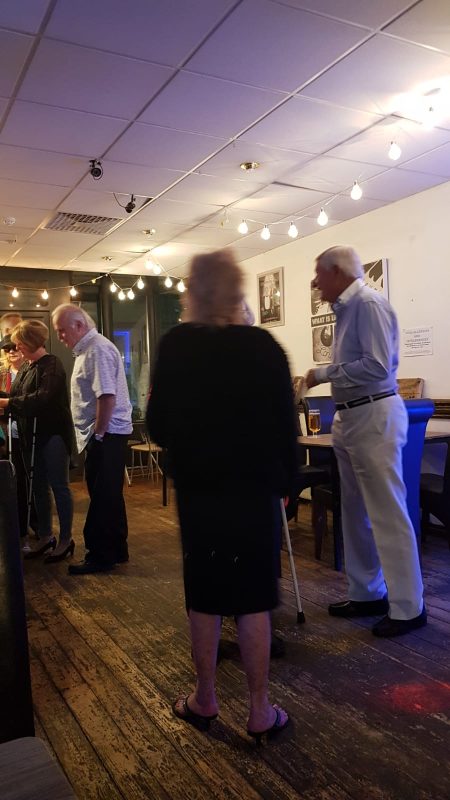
x,y
410,388
144,448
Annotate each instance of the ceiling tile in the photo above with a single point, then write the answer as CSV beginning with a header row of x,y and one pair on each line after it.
x,y
3,106
395,184
164,33
214,238
273,162
437,162
131,179
207,105
373,145
309,126
21,163
343,207
154,146
209,189
282,199
230,218
361,12
88,80
38,257
172,211
427,23
31,195
309,44
23,15
331,175
14,48
60,130
25,217
70,244
374,76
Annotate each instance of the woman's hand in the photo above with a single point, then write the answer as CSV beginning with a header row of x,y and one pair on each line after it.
x,y
4,402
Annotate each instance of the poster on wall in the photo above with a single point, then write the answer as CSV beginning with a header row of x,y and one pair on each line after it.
x,y
271,297
323,318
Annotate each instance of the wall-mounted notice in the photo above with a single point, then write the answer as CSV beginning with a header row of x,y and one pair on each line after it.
x,y
417,341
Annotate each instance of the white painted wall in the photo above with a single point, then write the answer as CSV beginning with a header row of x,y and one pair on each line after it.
x,y
414,235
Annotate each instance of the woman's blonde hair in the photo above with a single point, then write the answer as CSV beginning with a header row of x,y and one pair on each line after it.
x,y
30,332
215,290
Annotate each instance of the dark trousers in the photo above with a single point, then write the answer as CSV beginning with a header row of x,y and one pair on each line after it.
x,y
51,470
106,527
22,491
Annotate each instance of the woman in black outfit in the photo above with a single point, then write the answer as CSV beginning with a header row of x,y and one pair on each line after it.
x,y
39,402
221,403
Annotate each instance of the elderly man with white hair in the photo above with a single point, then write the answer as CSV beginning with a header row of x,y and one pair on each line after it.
x,y
101,412
369,431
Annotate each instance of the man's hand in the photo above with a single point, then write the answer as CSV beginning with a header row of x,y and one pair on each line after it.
x,y
310,379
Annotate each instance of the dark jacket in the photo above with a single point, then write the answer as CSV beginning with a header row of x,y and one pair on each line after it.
x,y
40,391
222,403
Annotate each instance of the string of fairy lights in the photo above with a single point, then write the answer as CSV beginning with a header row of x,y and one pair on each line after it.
x,y
122,293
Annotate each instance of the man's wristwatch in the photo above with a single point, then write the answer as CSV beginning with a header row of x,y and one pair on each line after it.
x,y
98,437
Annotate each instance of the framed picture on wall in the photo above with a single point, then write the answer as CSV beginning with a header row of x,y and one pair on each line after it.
x,y
271,297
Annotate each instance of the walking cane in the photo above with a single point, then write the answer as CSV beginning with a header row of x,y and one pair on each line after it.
x,y
300,613
31,474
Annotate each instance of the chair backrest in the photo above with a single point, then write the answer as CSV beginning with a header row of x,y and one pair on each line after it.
x,y
419,412
410,388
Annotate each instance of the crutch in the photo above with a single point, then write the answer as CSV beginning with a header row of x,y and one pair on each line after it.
x,y
31,474
300,613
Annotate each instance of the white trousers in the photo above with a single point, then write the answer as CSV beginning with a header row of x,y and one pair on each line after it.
x,y
379,540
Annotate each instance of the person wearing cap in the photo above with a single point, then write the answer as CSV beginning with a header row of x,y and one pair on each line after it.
x,y
369,431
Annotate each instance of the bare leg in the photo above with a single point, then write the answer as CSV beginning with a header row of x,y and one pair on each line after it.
x,y
254,644
205,634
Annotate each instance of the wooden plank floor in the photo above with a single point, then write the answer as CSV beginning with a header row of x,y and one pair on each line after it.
x,y
109,653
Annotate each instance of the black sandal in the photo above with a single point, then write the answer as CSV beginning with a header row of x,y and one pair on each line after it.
x,y
197,720
274,729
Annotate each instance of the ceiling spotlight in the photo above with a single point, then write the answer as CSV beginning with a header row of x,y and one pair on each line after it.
x,y
73,292
181,286
96,169
113,288
322,219
293,231
149,232
356,192
429,120
243,227
140,284
106,258
9,220
131,205
249,165
394,151
265,233
130,294
168,282
44,294
15,293
121,295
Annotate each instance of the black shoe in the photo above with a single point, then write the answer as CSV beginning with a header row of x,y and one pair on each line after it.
x,y
277,647
50,544
89,567
388,627
359,608
68,551
123,559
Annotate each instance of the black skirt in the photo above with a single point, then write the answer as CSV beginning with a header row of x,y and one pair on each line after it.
x,y
231,550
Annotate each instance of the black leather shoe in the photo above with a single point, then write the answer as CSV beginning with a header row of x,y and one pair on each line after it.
x,y
123,559
359,608
50,544
388,627
89,568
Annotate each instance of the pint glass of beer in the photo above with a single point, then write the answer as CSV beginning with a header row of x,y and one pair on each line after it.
x,y
314,421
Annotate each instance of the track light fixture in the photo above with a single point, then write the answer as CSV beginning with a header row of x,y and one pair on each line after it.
x,y
96,169
131,205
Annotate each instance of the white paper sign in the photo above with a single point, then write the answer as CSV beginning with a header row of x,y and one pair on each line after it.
x,y
417,341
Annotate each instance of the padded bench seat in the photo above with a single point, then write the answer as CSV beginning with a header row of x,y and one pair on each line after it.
x,y
29,772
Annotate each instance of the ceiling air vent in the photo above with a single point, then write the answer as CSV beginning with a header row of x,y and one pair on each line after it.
x,y
81,223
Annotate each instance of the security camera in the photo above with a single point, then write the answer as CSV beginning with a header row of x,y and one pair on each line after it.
x,y
96,169
131,205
